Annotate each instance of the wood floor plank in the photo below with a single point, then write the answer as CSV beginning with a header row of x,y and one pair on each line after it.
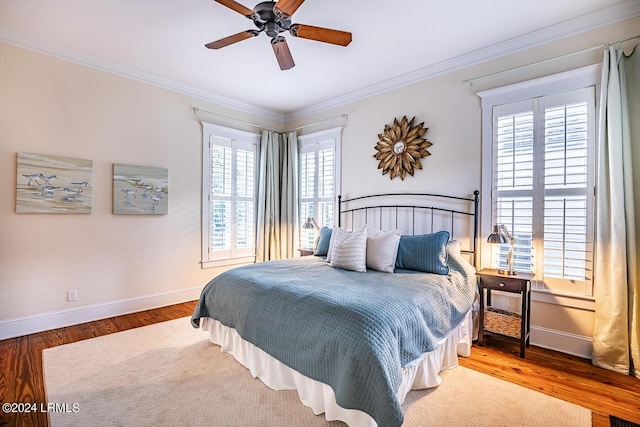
x,y
109,326
8,354
54,337
599,420
563,376
28,383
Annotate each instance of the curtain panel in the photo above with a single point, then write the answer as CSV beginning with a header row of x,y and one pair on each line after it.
x,y
278,200
616,333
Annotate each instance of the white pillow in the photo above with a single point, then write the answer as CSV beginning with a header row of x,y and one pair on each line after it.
x,y
351,252
337,236
454,247
382,250
457,262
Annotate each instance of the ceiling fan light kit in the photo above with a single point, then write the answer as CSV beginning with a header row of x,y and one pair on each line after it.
x,y
273,18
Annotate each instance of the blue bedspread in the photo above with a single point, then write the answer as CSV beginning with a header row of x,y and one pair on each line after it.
x,y
352,331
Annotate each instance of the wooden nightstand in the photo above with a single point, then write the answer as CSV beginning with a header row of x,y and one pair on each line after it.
x,y
305,252
502,322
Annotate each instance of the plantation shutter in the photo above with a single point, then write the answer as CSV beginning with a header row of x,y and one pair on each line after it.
x,y
326,181
221,172
245,199
232,200
307,194
317,186
543,187
514,178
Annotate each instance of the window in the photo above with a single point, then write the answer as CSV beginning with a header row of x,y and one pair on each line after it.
x,y
319,170
229,195
542,182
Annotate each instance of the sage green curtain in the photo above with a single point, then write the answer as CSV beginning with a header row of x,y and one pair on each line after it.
x,y
277,197
616,334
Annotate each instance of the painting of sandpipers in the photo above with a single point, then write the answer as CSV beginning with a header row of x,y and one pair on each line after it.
x,y
140,190
53,184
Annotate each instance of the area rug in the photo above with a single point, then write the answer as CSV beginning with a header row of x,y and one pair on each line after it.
x,y
169,374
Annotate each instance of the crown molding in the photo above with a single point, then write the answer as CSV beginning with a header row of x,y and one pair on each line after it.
x,y
71,55
591,21
608,16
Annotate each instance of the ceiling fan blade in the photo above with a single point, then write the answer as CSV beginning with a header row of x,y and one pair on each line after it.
x,y
326,35
283,54
232,39
237,7
286,7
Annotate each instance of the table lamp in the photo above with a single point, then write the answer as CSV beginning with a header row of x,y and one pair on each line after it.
x,y
501,235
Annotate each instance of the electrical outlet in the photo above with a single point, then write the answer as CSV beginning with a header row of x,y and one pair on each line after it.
x,y
72,295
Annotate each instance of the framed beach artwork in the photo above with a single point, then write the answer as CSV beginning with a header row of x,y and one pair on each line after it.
x,y
53,184
140,190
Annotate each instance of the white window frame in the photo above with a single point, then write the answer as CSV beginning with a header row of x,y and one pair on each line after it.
x,y
315,142
237,139
557,83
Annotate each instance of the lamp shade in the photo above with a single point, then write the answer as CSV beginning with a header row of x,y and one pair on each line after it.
x,y
309,224
497,236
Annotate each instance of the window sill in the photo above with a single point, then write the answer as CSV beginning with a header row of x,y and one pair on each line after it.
x,y
227,262
582,302
561,299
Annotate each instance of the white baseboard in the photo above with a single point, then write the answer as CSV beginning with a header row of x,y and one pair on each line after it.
x,y
16,327
564,342
552,339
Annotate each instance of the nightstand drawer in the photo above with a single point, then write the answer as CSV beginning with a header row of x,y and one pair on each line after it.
x,y
502,284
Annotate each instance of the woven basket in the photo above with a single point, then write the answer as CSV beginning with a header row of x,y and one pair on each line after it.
x,y
502,322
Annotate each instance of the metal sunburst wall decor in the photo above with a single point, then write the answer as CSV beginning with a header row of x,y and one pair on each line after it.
x,y
401,147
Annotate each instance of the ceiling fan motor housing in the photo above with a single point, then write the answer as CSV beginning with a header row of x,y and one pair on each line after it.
x,y
272,29
265,19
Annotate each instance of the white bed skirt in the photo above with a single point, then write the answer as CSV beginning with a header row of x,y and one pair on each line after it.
x,y
419,374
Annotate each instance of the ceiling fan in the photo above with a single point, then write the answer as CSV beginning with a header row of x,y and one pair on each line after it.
x,y
274,18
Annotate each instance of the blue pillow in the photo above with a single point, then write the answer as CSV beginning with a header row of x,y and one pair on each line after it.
x,y
322,247
424,253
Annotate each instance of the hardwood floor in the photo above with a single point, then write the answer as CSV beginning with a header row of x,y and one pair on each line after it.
x,y
567,377
21,377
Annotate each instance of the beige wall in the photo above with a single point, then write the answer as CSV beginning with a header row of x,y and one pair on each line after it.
x,y
115,262
50,106
451,111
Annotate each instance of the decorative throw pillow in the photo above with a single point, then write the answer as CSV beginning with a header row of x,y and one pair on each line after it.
x,y
351,253
424,253
322,247
337,236
382,249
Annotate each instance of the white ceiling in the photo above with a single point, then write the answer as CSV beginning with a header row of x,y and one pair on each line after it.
x,y
162,41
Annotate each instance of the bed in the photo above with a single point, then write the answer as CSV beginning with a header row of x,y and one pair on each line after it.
x,y
354,341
